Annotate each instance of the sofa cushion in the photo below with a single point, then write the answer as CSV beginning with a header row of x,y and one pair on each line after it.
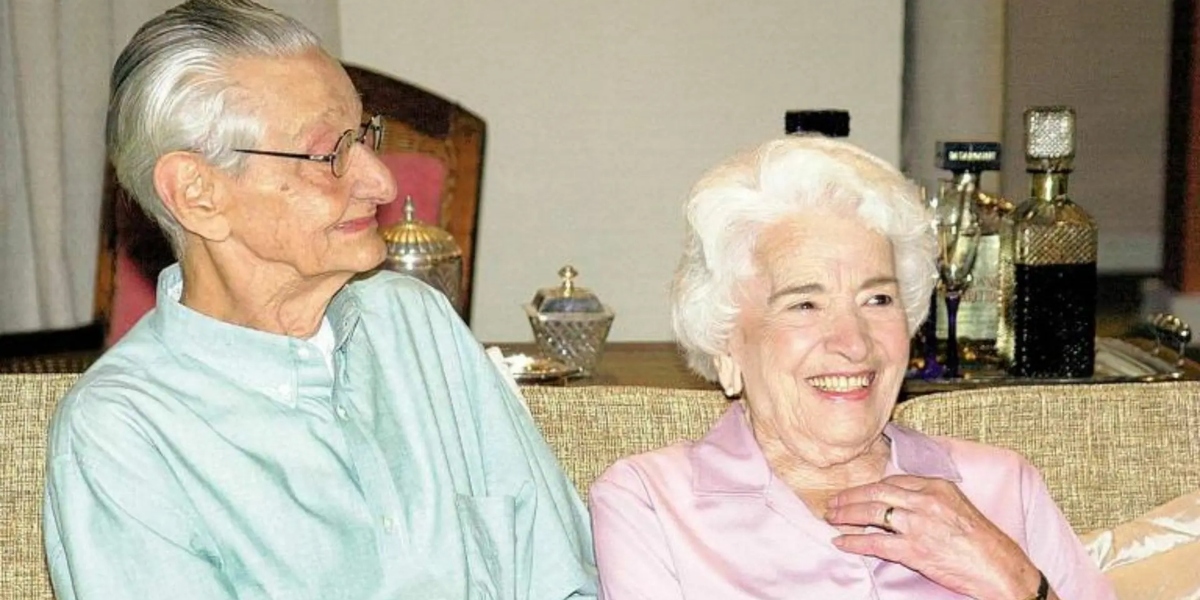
x,y
26,404
1108,453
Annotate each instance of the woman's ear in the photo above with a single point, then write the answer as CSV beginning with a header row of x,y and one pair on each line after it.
x,y
729,374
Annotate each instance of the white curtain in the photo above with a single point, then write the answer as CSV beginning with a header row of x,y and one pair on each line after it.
x,y
55,59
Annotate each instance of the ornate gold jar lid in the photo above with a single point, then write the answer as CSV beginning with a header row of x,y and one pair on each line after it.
x,y
414,244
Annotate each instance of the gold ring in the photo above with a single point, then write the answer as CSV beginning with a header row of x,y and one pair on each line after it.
x,y
887,517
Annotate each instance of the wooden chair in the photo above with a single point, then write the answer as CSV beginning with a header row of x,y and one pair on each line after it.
x,y
433,147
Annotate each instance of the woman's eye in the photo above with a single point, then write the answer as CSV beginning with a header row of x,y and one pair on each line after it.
x,y
881,300
803,305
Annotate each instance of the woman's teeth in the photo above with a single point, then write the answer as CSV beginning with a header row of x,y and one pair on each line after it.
x,y
840,383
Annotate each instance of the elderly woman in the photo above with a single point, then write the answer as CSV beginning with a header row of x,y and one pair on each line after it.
x,y
808,264
273,429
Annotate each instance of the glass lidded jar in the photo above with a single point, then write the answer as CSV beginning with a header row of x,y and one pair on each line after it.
x,y
426,252
569,322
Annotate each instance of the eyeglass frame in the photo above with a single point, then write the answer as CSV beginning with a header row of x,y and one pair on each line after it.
x,y
375,123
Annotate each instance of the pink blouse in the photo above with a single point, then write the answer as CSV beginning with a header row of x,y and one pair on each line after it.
x,y
707,519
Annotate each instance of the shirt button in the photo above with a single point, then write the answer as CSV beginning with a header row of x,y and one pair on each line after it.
x,y
389,525
342,413
303,352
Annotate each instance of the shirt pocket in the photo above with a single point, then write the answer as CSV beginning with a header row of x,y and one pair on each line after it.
x,y
489,545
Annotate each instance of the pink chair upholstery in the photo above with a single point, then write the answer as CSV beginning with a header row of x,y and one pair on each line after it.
x,y
419,176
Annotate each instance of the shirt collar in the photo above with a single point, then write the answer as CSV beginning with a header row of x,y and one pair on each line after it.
x,y
226,347
729,461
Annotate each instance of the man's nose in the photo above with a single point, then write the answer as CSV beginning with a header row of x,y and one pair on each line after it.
x,y
373,181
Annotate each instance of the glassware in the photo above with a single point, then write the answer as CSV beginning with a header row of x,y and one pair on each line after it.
x,y
428,253
569,322
956,223
978,311
1048,270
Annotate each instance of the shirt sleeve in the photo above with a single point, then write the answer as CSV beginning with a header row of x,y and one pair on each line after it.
x,y
631,550
114,520
554,558
1054,547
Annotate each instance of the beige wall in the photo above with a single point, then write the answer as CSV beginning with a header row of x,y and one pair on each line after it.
x,y
954,81
1110,60
602,114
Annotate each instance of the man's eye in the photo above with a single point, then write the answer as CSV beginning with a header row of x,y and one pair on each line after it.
x,y
881,300
803,305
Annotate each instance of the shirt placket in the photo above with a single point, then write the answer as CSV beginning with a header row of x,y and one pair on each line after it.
x,y
375,479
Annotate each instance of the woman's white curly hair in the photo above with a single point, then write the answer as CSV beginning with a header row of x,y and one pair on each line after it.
x,y
734,201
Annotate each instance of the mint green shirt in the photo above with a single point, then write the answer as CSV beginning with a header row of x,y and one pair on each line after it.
x,y
199,459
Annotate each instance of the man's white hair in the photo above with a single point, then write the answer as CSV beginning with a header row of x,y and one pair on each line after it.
x,y
170,91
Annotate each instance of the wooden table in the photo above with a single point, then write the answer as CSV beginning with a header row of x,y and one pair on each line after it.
x,y
659,364
651,364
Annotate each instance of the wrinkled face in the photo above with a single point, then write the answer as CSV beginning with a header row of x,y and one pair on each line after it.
x,y
821,339
295,214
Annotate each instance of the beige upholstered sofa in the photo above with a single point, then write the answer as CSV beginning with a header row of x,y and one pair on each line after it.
x,y
1108,452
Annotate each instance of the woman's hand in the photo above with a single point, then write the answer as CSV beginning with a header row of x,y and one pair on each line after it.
x,y
935,530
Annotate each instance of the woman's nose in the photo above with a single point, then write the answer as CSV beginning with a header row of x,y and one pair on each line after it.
x,y
848,336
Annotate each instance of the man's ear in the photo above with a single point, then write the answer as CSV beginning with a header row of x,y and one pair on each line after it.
x,y
729,374
186,183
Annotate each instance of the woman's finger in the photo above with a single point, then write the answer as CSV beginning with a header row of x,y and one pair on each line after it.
x,y
889,547
871,514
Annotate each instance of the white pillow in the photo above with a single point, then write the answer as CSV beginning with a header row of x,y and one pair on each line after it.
x,y
1155,556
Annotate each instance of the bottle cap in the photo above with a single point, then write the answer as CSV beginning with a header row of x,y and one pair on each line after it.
x,y
968,156
829,122
1049,138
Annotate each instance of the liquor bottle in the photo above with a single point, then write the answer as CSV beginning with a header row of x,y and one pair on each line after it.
x,y
829,123
1048,272
979,312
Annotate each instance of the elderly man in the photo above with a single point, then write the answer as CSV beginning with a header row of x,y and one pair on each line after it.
x,y
272,429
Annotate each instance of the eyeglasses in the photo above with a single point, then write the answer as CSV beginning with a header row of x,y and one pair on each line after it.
x,y
369,134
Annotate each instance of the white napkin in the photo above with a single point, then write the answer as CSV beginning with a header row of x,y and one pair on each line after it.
x,y
497,358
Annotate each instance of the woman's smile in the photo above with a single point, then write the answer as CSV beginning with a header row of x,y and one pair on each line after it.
x,y
843,386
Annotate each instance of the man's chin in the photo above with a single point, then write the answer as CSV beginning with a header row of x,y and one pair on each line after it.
x,y
372,257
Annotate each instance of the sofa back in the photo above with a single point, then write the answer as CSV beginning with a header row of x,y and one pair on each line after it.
x,y
1108,452
26,404
590,427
